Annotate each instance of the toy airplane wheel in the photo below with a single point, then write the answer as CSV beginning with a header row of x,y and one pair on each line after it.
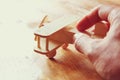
x,y
51,54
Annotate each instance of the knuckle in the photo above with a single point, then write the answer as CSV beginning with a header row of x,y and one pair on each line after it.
x,y
114,15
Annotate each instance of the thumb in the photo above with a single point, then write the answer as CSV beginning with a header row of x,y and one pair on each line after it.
x,y
83,43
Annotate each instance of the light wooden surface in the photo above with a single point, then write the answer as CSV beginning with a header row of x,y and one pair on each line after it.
x,y
56,25
67,65
18,20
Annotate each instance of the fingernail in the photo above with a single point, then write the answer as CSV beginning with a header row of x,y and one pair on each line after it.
x,y
76,36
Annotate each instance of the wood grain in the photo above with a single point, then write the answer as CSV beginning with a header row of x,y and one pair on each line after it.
x,y
67,65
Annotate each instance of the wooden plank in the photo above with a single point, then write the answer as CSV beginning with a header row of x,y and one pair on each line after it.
x,y
68,64
56,25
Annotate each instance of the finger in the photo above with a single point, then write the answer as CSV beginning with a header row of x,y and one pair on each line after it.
x,y
107,25
101,29
100,13
83,43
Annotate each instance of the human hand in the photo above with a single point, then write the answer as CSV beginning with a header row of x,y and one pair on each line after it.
x,y
103,53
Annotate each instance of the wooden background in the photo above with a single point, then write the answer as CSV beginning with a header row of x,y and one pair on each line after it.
x,y
18,61
70,64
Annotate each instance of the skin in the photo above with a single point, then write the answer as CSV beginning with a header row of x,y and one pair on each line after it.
x,y
104,53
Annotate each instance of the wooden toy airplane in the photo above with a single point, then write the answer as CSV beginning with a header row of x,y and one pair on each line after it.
x,y
51,36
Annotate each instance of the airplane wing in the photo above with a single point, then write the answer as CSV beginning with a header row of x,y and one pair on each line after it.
x,y
56,25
